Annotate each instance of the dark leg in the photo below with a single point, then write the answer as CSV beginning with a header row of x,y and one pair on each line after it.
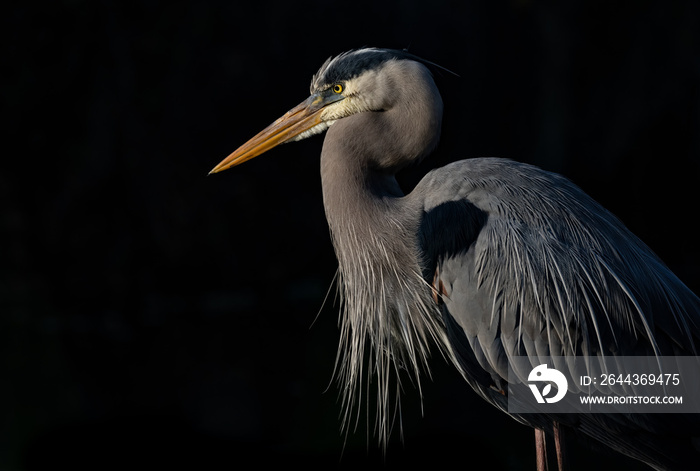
x,y
560,445
541,450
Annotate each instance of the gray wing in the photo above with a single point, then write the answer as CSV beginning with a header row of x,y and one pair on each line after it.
x,y
528,265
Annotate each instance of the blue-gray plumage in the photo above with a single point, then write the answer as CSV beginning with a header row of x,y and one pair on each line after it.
x,y
487,259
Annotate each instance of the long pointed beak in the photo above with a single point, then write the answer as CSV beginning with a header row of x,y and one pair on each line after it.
x,y
301,118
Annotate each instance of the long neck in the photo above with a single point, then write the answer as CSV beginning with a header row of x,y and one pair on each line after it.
x,y
372,227
385,299
362,153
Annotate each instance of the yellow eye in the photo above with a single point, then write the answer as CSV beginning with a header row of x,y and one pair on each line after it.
x,y
337,88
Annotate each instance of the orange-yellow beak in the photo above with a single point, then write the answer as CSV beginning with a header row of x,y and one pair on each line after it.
x,y
301,118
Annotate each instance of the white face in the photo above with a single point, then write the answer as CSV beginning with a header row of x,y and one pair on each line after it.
x,y
366,92
353,93
369,91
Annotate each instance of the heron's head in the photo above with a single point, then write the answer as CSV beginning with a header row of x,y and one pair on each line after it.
x,y
353,82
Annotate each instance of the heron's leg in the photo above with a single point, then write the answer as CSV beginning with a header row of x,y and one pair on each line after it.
x,y
541,449
560,445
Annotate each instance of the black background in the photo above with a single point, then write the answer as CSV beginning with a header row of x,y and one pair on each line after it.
x,y
154,316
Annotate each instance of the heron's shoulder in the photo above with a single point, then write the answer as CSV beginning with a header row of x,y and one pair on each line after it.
x,y
490,182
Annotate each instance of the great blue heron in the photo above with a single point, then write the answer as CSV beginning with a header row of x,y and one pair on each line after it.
x,y
486,258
